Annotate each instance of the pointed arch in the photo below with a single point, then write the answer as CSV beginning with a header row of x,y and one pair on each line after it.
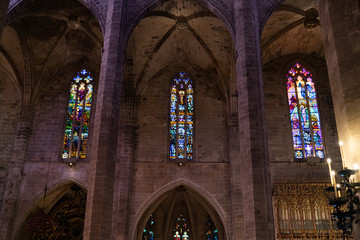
x,y
194,192
48,205
304,113
78,116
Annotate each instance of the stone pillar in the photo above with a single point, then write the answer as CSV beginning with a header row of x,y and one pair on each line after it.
x,y
340,25
235,179
99,207
253,156
15,174
124,168
4,4
341,33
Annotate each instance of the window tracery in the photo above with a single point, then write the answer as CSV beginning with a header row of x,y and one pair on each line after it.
x,y
78,115
304,113
181,117
182,229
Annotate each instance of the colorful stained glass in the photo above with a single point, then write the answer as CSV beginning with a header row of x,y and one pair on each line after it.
x,y
304,113
211,231
181,117
182,229
78,115
148,233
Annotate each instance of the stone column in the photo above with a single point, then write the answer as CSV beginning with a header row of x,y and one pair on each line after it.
x,y
341,33
4,4
235,179
340,21
99,207
124,168
15,174
253,156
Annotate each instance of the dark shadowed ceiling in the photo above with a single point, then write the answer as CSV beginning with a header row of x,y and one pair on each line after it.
x,y
45,38
285,32
180,33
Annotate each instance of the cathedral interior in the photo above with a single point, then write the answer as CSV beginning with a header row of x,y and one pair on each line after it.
x,y
176,119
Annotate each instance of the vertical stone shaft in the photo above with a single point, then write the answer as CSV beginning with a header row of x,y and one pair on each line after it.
x,y
253,157
13,179
341,35
99,207
124,169
4,4
235,179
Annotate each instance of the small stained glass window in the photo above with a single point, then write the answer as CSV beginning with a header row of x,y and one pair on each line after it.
x,y
78,115
182,229
211,231
148,233
304,113
181,117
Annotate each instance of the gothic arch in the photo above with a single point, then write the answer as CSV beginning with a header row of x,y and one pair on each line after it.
x,y
193,193
40,202
94,7
153,52
270,6
220,8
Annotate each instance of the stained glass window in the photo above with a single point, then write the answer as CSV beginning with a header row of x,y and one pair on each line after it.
x,y
78,115
304,113
148,233
182,229
211,231
181,117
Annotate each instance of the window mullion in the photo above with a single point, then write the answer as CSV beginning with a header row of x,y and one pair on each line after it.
x,y
300,121
81,121
73,120
310,121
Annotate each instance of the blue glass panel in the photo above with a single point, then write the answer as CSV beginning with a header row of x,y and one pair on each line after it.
x,y
77,123
181,112
304,113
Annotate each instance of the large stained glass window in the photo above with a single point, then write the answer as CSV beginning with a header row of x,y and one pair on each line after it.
x,y
148,233
181,117
78,115
304,113
182,229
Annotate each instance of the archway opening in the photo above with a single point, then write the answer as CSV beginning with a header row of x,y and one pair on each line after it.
x,y
61,216
180,213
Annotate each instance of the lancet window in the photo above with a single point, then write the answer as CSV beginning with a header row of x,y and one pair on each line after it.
x,y
182,229
181,117
304,113
148,233
211,231
78,115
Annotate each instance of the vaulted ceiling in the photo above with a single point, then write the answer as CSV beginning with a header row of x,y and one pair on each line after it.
x,y
292,28
47,37
180,33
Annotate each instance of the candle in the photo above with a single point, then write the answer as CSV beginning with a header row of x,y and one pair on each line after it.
x,y
329,164
342,154
334,181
